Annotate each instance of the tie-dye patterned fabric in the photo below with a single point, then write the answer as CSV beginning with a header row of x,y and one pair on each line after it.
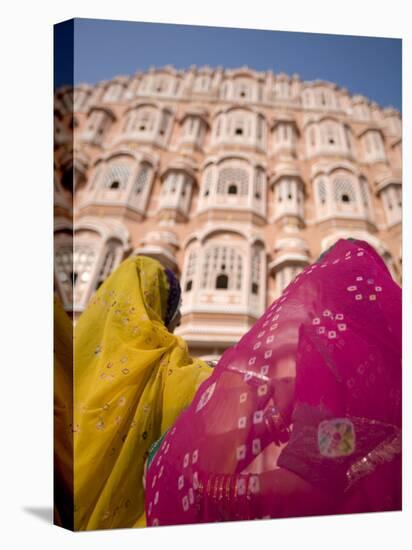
x,y
331,346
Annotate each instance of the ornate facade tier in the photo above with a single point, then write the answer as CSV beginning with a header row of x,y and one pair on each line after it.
x,y
235,179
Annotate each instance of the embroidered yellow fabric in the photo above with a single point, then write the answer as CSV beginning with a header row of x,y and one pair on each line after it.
x,y
132,379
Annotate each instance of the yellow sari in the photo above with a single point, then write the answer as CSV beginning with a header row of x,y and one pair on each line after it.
x,y
132,380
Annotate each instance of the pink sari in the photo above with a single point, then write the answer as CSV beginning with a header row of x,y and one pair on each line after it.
x,y
301,417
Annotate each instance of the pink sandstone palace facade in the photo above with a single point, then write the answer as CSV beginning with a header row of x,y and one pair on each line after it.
x,y
235,179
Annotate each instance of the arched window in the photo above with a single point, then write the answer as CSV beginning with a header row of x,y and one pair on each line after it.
x,y
164,122
116,176
190,271
171,183
348,138
207,182
190,126
145,121
177,192
161,85
233,181
392,200
321,191
84,257
142,178
141,120
289,196
361,111
331,136
113,92
84,260
193,130
98,122
255,271
242,126
222,281
325,98
222,266
238,125
107,264
344,191
63,261
282,89
242,89
374,146
224,90
307,98
259,179
202,83
364,190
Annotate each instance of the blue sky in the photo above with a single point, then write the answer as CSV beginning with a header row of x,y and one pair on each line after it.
x,y
366,65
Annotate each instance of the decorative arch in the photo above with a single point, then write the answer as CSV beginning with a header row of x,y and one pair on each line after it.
x,y
114,90
184,164
226,229
223,263
196,111
99,120
373,142
98,248
239,125
244,72
227,156
328,168
105,229
385,181
240,107
190,240
109,112
371,128
233,181
224,266
147,121
142,105
327,135
120,152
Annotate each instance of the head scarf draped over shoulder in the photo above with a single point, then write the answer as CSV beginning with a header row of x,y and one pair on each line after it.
x,y
132,379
